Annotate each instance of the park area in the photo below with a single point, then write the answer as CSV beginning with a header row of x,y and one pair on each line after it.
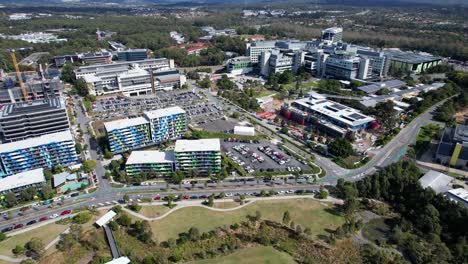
x,y
260,254
315,215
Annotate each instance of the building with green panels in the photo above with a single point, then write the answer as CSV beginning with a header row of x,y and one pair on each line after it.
x,y
128,134
203,155
239,65
410,61
152,163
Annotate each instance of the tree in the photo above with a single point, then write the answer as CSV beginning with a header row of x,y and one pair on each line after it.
x,y
18,250
193,234
258,215
124,220
341,148
88,165
2,236
323,194
66,243
78,148
299,229
82,218
170,199
126,198
386,114
210,202
308,231
47,192
135,207
10,199
178,176
107,153
286,218
35,247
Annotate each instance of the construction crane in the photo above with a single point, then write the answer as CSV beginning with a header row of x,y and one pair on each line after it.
x,y
18,74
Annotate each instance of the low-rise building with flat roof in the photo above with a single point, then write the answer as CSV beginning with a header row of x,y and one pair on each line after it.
x,y
410,61
453,147
153,163
435,180
23,180
203,156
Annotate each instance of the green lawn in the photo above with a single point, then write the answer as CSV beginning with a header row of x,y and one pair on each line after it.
x,y
256,255
306,212
306,86
47,233
225,205
153,210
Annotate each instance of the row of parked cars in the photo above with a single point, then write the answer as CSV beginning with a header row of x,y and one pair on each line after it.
x,y
44,218
274,155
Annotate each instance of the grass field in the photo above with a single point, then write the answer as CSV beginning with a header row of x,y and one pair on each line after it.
x,y
257,255
153,210
47,233
306,212
377,230
225,205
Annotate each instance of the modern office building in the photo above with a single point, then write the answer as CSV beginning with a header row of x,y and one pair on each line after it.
x,y
21,181
275,62
332,35
132,54
103,57
127,134
326,116
410,61
44,151
131,78
239,65
344,67
152,163
255,49
117,46
203,156
166,124
24,120
453,147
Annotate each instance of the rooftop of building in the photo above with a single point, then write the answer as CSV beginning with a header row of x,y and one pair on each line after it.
x,y
61,178
22,179
461,134
339,112
164,112
436,181
98,67
124,123
132,50
240,59
150,156
391,84
410,57
333,30
31,107
211,144
460,193
37,141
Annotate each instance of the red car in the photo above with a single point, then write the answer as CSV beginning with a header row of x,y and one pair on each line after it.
x,y
65,212
186,197
18,226
43,218
157,198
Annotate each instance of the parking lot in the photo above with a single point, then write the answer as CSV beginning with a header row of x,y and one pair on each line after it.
x,y
261,157
198,108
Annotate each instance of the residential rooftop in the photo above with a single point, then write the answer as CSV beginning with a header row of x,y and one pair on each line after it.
x,y
124,123
150,157
37,141
22,179
211,144
164,112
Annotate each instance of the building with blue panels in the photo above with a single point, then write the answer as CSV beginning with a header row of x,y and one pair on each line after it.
x,y
167,124
38,152
128,134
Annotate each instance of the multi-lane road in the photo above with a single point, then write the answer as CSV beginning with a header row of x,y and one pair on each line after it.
x,y
105,194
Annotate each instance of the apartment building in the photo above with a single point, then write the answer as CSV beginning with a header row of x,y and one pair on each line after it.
x,y
202,155
167,124
152,128
127,134
152,163
24,120
18,182
38,152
